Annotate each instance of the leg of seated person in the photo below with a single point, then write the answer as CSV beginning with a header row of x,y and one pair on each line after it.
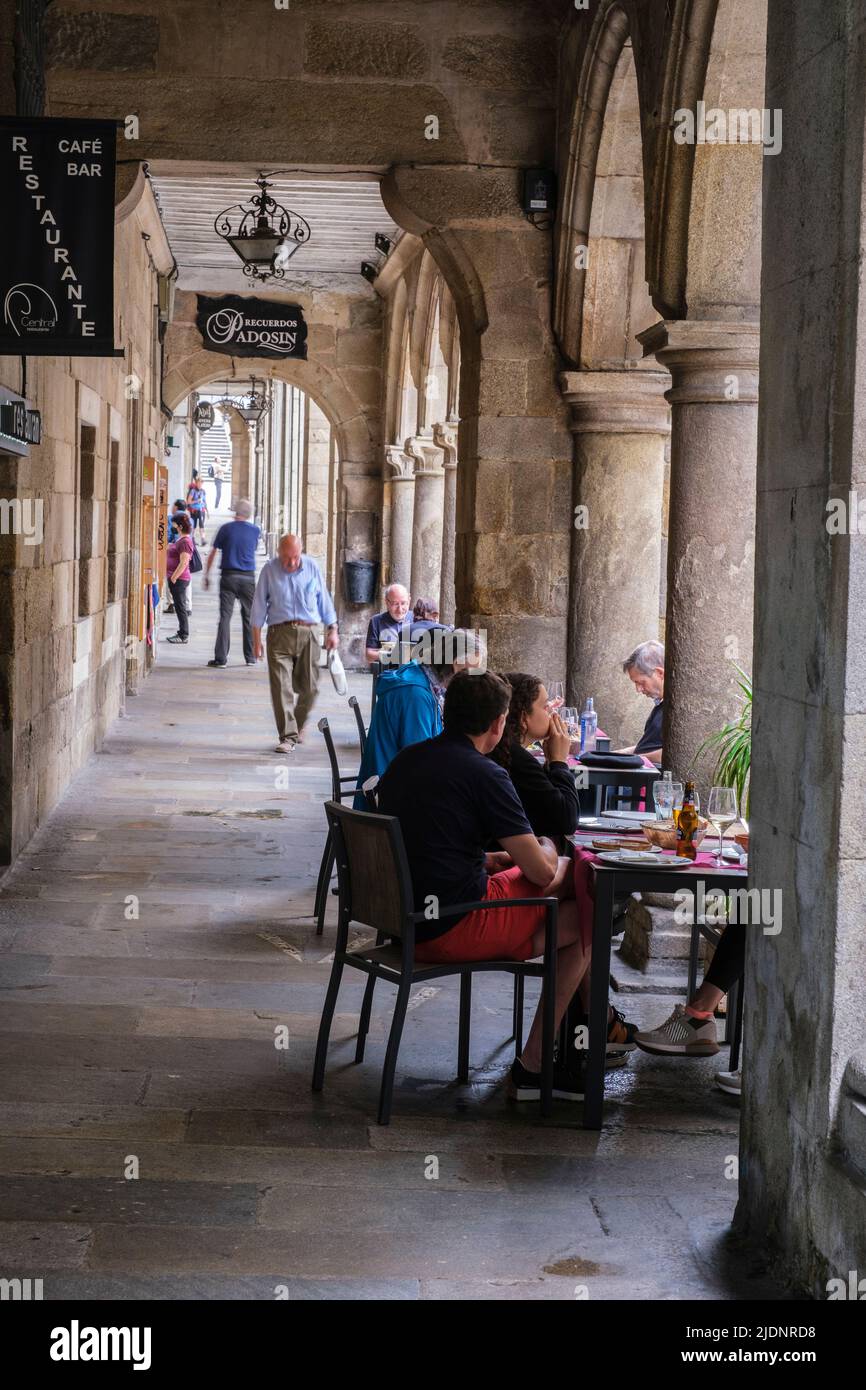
x,y
571,964
691,1030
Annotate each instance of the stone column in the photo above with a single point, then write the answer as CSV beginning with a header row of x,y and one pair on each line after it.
x,y
620,421
803,1132
445,436
427,518
402,512
316,500
241,450
711,528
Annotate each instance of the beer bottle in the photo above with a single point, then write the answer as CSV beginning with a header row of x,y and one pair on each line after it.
x,y
687,824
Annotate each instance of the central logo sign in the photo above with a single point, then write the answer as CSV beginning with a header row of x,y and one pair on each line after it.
x,y
244,327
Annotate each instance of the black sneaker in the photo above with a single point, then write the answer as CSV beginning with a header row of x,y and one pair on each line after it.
x,y
177,638
620,1035
217,663
526,1085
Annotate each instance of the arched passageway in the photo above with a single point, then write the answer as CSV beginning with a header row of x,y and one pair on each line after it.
x,y
541,412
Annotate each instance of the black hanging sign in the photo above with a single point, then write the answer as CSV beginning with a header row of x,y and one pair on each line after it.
x,y
57,237
251,327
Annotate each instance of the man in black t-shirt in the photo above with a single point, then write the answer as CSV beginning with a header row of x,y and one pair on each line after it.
x,y
451,800
645,669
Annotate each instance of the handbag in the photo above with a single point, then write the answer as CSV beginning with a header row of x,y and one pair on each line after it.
x,y
195,563
338,673
622,760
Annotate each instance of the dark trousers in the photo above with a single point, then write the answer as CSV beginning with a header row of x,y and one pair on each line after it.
x,y
179,589
729,960
241,586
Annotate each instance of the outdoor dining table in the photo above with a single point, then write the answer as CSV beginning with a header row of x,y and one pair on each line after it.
x,y
634,778
604,882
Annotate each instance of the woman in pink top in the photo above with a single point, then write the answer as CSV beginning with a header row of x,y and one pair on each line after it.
x,y
179,553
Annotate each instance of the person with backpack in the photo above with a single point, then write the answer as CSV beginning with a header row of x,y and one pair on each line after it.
x,y
197,503
180,552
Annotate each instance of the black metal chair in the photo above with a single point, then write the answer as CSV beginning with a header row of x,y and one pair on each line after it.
x,y
342,785
359,720
376,891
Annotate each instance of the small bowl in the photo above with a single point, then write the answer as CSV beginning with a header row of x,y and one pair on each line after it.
x,y
742,839
664,833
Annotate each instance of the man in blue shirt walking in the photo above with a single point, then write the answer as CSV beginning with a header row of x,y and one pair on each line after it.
x,y
237,542
291,598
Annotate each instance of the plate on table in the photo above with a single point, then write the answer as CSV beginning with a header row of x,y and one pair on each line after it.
x,y
646,859
624,820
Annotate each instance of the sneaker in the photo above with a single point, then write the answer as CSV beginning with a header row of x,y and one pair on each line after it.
x,y
731,1082
253,662
681,1036
526,1085
177,638
217,663
620,1034
285,745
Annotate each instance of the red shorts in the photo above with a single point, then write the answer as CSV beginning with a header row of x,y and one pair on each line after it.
x,y
504,934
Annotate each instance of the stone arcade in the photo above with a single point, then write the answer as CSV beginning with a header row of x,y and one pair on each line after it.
x,y
637,362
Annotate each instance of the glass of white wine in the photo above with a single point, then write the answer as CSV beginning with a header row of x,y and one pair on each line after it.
x,y
722,812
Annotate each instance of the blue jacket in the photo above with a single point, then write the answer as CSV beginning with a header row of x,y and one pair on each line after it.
x,y
406,712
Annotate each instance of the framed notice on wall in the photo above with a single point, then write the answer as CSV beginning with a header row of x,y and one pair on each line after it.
x,y
162,525
148,557
57,237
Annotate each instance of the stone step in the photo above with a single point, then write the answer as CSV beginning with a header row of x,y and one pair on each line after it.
x,y
660,977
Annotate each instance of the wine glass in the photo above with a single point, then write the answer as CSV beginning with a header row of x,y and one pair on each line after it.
x,y
570,718
664,799
721,812
555,695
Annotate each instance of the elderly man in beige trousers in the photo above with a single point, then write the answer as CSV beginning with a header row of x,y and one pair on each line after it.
x,y
291,599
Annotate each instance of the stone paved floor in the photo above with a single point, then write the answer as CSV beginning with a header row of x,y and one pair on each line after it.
x,y
148,1042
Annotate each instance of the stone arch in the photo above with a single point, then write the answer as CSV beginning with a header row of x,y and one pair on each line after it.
x,y
601,60
396,339
323,384
700,262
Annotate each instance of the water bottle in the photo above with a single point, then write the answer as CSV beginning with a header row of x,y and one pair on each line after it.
x,y
588,726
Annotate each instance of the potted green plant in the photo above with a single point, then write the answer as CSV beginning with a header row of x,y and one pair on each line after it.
x,y
733,747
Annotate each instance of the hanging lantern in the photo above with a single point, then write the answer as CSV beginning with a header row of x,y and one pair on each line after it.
x,y
262,233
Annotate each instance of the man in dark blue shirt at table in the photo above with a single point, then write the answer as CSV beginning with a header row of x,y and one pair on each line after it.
x,y
645,669
237,542
451,801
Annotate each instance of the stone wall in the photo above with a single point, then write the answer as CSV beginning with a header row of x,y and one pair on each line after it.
x,y
214,80
64,657
803,1146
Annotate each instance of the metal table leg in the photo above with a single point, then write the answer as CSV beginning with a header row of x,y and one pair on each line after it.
x,y
602,924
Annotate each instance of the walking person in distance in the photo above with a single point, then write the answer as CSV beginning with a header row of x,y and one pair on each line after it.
x,y
179,552
236,541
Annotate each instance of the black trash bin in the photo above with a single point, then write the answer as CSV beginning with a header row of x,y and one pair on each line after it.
x,y
359,580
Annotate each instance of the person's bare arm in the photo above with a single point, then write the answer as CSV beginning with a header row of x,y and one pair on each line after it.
x,y
624,750
372,653
537,859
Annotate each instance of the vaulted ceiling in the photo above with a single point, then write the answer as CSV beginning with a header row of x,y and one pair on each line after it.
x,y
344,211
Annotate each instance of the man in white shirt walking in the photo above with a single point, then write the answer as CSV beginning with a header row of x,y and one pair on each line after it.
x,y
292,600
